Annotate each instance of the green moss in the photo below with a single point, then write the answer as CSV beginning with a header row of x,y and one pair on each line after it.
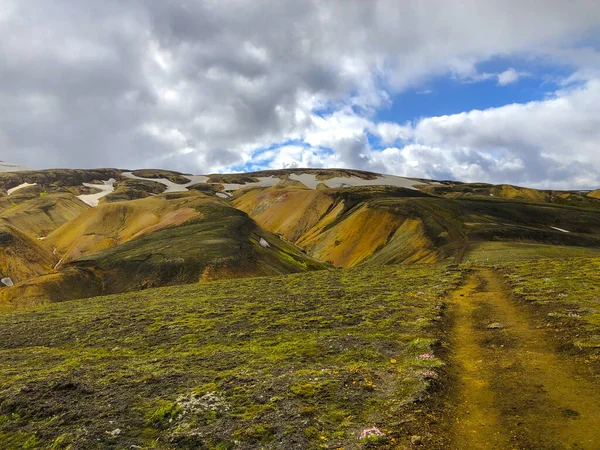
x,y
565,295
298,351
165,414
256,433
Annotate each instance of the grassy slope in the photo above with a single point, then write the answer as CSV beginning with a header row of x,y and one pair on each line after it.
x,y
300,361
565,294
502,252
506,191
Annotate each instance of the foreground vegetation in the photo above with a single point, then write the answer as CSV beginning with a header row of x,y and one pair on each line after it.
x,y
301,361
564,293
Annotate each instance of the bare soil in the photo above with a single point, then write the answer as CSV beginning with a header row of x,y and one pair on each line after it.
x,y
513,389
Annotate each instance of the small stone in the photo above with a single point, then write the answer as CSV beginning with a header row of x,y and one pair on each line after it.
x,y
416,440
495,326
114,433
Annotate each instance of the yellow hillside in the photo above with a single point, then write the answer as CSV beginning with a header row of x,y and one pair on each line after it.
x,y
112,224
41,215
594,194
329,228
515,192
290,212
59,286
353,239
22,257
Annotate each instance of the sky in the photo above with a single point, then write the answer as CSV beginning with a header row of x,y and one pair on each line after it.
x,y
473,90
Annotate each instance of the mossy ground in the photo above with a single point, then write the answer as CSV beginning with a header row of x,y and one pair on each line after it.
x,y
564,293
301,361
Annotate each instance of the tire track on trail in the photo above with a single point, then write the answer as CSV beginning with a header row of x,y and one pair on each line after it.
x,y
513,390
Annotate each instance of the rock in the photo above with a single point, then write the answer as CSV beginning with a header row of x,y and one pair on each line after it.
x,y
193,403
7,282
495,326
416,440
264,243
114,433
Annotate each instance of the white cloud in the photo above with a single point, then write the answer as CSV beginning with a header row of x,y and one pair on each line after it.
x,y
510,76
549,143
202,86
390,132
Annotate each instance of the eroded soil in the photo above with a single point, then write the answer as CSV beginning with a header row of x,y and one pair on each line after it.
x,y
514,391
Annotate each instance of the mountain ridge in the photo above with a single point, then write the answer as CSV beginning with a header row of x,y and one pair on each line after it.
x,y
119,230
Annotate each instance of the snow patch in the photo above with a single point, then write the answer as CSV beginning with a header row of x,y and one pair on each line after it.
x,y
7,282
171,187
263,242
310,181
222,195
92,199
560,229
262,182
21,186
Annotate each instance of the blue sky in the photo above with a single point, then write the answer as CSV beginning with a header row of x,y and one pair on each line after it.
x,y
445,95
502,92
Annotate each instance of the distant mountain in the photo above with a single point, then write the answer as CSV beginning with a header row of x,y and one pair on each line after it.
x,y
70,234
8,167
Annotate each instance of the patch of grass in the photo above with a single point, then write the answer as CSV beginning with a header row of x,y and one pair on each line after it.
x,y
565,294
165,414
300,361
498,252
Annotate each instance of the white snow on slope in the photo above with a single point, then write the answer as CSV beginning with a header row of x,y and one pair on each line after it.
x,y
560,229
262,182
171,187
310,181
105,189
195,179
21,186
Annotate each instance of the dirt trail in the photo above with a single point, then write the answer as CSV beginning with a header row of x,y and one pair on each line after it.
x,y
514,391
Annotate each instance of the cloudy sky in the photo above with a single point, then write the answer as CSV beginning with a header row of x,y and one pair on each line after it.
x,y
475,90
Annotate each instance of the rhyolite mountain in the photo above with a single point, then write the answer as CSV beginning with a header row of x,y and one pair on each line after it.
x,y
69,234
